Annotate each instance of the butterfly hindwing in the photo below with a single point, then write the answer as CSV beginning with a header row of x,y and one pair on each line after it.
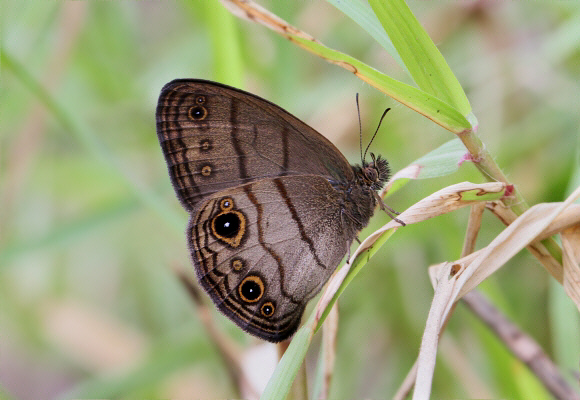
x,y
263,249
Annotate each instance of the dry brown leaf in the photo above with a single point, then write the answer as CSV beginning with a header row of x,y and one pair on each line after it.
x,y
254,12
569,217
329,332
523,231
454,279
441,202
428,352
571,259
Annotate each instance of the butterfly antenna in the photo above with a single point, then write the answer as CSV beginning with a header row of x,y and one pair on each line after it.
x,y
359,129
373,138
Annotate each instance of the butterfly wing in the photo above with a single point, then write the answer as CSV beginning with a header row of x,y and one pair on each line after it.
x,y
263,249
214,136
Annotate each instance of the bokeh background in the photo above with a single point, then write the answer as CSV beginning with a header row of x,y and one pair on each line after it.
x,y
91,231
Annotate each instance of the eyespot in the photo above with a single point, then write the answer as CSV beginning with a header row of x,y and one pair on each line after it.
x,y
237,264
251,289
227,225
267,309
205,145
226,204
200,99
197,113
206,170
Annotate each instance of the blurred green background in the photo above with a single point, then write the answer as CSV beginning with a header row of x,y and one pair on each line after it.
x,y
91,231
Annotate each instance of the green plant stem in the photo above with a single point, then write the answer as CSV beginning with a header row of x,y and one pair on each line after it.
x,y
492,172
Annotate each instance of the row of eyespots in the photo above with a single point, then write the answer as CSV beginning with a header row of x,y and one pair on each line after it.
x,y
229,225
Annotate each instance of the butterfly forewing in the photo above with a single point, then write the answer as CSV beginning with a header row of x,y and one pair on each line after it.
x,y
214,137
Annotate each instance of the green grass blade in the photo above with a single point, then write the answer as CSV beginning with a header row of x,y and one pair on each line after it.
x,y
431,107
357,266
227,58
319,373
363,15
281,381
444,160
422,58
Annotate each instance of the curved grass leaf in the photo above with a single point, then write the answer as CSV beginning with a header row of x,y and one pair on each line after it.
x,y
422,58
444,160
431,107
364,16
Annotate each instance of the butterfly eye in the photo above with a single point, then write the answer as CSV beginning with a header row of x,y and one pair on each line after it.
x,y
251,289
371,174
267,309
197,113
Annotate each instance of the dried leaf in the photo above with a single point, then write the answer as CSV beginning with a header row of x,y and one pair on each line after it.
x,y
571,258
455,279
441,202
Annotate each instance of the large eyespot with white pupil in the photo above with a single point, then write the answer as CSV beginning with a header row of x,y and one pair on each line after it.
x,y
197,113
267,309
229,226
251,289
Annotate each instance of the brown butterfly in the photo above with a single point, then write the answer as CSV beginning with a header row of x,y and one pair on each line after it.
x,y
274,206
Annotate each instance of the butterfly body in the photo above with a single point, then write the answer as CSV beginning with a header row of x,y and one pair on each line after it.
x,y
273,205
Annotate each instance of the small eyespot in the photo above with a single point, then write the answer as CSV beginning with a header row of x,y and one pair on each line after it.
x,y
267,309
237,264
251,289
197,113
206,170
226,204
205,145
200,99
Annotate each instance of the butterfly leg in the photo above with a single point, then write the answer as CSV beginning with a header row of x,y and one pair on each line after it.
x,y
390,212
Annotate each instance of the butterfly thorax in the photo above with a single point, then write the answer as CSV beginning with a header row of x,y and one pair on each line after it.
x,y
360,198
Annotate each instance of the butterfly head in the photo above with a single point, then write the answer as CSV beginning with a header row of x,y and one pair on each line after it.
x,y
375,173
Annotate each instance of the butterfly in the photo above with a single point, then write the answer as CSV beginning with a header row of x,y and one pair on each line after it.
x,y
274,206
